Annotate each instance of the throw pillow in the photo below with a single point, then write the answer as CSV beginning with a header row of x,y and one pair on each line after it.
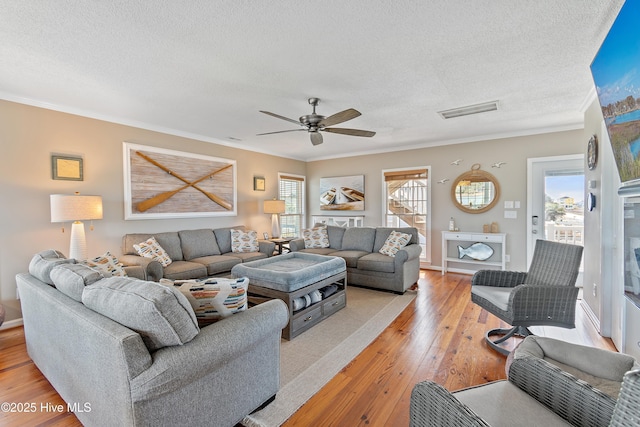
x,y
43,262
107,263
161,315
244,241
316,237
394,243
71,279
152,249
213,299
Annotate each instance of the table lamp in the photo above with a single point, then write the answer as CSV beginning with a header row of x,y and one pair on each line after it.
x,y
66,207
274,207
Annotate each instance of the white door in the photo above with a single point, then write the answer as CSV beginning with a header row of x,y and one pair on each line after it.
x,y
555,205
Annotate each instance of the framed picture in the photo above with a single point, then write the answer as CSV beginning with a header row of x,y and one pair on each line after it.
x,y
161,183
342,193
265,235
67,168
258,183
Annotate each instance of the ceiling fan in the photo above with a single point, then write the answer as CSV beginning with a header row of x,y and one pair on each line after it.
x,y
315,123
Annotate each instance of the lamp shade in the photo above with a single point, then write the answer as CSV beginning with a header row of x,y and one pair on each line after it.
x,y
274,206
67,207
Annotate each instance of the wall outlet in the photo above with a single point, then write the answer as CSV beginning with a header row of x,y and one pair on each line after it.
x,y
595,287
507,258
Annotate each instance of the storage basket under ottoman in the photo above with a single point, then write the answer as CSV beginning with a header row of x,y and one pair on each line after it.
x,y
294,275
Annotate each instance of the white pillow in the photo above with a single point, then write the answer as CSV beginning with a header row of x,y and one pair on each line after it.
x,y
316,237
213,299
107,263
244,241
396,241
152,249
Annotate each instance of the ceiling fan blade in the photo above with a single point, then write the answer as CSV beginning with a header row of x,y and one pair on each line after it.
x,y
281,117
280,131
316,138
352,132
340,117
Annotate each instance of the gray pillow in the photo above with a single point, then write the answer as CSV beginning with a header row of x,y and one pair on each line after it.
x,y
160,314
359,239
198,243
70,279
43,262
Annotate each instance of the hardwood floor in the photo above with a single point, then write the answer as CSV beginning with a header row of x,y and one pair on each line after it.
x,y
439,337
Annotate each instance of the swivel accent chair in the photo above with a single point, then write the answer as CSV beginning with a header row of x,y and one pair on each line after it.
x,y
545,295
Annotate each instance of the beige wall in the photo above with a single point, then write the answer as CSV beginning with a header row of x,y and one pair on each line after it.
x,y
29,136
592,220
512,177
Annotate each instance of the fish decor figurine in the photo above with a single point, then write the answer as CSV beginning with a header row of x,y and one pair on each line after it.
x,y
478,251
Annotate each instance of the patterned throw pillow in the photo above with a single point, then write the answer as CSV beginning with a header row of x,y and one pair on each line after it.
x,y
152,249
244,241
316,237
107,263
394,243
213,299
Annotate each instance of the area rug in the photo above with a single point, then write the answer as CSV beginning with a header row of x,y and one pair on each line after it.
x,y
311,359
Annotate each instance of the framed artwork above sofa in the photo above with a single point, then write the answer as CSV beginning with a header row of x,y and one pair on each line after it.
x,y
162,183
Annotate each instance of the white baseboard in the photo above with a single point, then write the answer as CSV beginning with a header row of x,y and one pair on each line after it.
x,y
11,324
593,317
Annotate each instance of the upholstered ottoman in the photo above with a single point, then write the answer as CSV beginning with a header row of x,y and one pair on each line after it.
x,y
313,286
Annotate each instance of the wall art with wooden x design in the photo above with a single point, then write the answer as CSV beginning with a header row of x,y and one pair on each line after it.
x,y
162,183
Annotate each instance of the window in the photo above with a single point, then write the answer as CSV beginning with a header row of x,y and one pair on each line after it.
x,y
407,195
292,192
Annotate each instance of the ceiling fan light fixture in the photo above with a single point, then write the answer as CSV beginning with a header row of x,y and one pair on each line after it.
x,y
469,110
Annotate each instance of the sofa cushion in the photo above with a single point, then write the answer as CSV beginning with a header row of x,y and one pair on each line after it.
x,y
198,243
213,299
319,251
383,232
396,241
248,256
107,263
244,241
160,314
223,237
217,264
70,279
183,270
358,239
335,236
316,237
43,262
350,257
152,249
377,262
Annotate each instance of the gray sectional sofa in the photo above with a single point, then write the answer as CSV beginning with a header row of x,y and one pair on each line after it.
x,y
165,371
195,253
359,247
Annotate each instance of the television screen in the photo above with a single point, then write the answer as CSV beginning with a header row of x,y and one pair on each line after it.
x,y
616,74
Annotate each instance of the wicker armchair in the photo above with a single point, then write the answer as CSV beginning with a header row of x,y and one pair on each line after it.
x,y
540,392
545,295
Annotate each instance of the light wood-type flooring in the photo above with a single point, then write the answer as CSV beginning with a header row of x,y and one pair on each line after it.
x,y
438,337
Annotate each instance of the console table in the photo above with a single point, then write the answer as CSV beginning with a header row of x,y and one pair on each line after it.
x,y
498,259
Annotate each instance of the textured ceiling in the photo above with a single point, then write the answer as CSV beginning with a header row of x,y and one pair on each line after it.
x,y
204,69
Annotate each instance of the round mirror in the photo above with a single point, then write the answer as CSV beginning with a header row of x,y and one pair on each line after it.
x,y
475,191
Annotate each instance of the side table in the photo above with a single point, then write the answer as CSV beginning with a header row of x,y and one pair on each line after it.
x,y
280,244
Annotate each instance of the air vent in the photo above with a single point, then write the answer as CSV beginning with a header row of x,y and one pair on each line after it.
x,y
468,110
